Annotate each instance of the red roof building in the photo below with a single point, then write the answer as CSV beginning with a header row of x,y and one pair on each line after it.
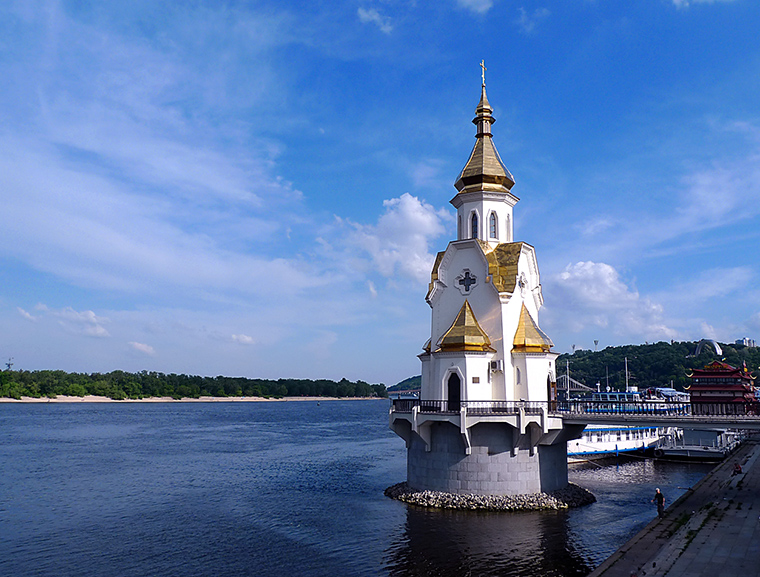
x,y
720,388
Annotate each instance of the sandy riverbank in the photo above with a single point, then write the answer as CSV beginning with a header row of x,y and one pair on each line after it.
x,y
96,399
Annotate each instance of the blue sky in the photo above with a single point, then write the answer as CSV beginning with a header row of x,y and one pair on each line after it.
x,y
259,188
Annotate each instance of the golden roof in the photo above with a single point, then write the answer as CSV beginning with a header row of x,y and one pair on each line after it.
x,y
484,169
529,337
465,333
502,264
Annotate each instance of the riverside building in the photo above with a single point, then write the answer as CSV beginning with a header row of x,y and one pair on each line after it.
x,y
482,423
721,388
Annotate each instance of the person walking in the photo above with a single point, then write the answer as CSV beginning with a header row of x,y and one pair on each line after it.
x,y
659,498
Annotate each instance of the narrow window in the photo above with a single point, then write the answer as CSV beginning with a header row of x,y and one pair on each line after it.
x,y
494,230
474,225
459,227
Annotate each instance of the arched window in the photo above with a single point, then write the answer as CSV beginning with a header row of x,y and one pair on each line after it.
x,y
493,227
474,225
459,227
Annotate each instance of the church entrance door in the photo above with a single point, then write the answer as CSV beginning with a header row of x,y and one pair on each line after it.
x,y
455,395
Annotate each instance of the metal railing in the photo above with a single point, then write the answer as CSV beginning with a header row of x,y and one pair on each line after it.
x,y
624,408
739,411
473,407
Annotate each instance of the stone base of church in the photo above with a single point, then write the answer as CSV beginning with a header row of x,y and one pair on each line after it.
x,y
495,466
570,496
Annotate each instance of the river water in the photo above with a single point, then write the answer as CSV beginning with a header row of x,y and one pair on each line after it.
x,y
272,489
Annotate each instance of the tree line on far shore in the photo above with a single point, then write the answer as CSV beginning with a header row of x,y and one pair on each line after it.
x,y
120,385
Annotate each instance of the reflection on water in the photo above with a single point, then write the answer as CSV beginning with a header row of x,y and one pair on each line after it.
x,y
564,543
455,543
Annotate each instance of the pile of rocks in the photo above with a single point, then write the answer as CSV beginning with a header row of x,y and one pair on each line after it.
x,y
570,496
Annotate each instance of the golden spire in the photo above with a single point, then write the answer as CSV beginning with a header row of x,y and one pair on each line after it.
x,y
465,333
484,170
529,338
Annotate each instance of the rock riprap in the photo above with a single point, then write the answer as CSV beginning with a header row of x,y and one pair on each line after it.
x,y
570,496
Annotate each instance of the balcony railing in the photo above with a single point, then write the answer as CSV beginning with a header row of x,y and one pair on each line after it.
x,y
750,410
472,407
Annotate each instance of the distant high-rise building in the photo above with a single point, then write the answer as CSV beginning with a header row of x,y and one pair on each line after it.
x,y
746,342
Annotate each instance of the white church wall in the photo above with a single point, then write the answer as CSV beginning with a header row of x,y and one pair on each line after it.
x,y
484,300
478,385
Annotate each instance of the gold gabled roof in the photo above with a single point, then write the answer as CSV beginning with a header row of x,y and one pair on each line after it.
x,y
465,334
484,169
529,337
502,264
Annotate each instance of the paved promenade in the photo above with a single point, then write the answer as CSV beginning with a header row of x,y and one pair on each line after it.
x,y
713,530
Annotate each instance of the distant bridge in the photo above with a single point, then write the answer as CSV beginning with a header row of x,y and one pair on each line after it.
x,y
575,386
674,414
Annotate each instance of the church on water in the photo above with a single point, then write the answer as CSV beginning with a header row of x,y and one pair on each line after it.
x,y
482,424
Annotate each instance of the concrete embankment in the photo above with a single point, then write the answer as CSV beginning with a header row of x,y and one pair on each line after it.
x,y
712,530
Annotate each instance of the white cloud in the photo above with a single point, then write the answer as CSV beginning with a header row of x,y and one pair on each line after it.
x,y
719,197
26,315
243,339
96,232
143,348
596,225
596,286
177,200
707,331
79,322
477,6
400,242
374,17
528,21
686,3
593,296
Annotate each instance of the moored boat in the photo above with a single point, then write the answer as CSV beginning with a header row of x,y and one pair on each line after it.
x,y
603,441
710,445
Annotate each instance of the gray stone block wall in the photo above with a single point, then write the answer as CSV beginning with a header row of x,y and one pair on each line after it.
x,y
490,469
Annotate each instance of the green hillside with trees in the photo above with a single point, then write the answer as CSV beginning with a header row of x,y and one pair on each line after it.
x,y
120,385
410,384
651,365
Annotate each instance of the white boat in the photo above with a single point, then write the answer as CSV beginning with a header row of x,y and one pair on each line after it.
x,y
602,441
